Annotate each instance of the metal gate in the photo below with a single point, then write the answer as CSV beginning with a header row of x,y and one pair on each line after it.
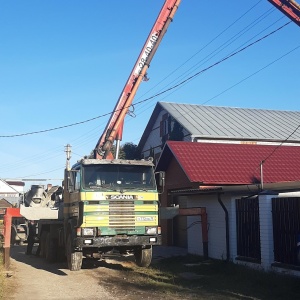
x,y
286,228
248,230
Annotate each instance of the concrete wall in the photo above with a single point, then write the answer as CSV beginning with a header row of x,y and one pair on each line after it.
x,y
217,229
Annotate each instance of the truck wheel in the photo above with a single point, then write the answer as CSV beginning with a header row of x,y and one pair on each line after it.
x,y
50,251
143,256
74,258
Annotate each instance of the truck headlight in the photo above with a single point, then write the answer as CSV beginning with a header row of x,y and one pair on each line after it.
x,y
87,231
151,230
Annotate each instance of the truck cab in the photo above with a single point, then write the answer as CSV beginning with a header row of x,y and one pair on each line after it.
x,y
111,205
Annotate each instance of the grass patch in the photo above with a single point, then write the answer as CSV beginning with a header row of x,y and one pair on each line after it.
x,y
192,277
221,279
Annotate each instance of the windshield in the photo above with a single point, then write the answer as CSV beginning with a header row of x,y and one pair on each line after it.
x,y
118,177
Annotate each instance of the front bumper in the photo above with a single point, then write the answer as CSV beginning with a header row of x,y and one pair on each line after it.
x,y
117,241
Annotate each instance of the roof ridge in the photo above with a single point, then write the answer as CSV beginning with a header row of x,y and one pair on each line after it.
x,y
228,107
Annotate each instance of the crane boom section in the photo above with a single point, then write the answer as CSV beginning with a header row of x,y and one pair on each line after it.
x,y
290,8
114,126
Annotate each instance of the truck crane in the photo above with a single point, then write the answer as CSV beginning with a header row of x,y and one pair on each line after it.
x,y
109,204
114,127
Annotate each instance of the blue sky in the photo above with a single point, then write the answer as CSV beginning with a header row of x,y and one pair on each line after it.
x,y
64,62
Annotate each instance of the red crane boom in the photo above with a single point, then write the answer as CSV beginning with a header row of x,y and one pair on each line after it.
x,y
290,8
114,127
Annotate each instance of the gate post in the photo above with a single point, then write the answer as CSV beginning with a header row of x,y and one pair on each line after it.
x,y
10,213
266,229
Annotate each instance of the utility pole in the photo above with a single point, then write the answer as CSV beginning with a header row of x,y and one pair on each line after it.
x,y
261,175
68,153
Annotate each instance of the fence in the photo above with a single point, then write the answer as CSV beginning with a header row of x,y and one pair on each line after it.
x,y
286,228
248,230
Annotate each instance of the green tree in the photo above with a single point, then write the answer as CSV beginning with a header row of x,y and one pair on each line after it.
x,y
130,151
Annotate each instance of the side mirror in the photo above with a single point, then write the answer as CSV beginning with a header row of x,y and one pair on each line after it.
x,y
162,176
160,181
69,181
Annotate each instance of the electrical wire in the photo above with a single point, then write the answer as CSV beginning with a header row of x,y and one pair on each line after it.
x,y
274,150
88,138
206,45
251,25
160,93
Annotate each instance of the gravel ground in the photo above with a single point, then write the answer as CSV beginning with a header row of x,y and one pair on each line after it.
x,y
34,278
31,277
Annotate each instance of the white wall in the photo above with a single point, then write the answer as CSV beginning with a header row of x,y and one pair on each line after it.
x,y
216,226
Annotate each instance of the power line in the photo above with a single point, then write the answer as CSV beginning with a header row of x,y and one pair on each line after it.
x,y
160,93
275,149
251,75
264,160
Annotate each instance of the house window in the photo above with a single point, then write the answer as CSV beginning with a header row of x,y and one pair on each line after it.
x,y
77,180
164,126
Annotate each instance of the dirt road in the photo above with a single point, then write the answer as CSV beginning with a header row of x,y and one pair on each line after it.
x,y
33,278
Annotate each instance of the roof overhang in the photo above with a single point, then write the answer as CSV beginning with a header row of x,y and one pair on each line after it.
x,y
248,189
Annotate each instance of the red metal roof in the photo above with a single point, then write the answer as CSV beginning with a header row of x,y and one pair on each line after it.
x,y
218,163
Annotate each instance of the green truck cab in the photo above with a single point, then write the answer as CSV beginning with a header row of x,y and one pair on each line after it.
x,y
110,205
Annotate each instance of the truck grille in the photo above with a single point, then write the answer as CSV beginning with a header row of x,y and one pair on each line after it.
x,y
121,215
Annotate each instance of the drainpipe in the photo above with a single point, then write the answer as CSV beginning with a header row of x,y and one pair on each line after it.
x,y
227,227
204,227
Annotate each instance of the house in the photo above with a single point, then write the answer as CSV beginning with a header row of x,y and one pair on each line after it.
x,y
199,123
11,191
242,166
251,194
4,204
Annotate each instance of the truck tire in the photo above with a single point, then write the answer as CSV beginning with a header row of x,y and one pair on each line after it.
x,y
50,251
143,256
74,258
